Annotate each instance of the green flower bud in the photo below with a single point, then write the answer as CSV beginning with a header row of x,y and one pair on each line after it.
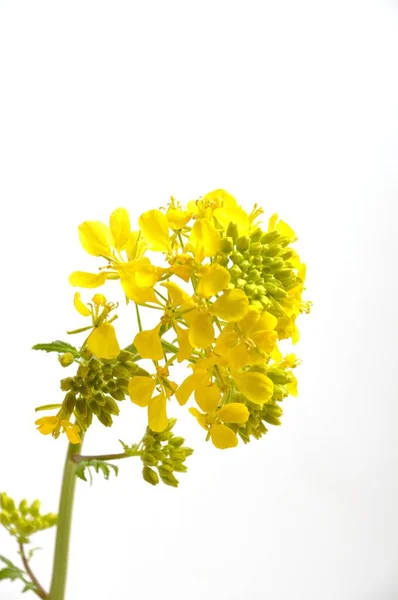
x,y
148,459
118,394
122,382
257,304
278,376
66,359
5,518
254,275
232,231
85,390
283,273
176,441
69,402
256,235
240,284
111,406
177,455
255,249
94,364
120,371
270,237
23,507
265,302
280,293
83,371
105,418
222,259
242,243
180,467
168,478
67,384
187,451
284,241
268,261
125,355
270,287
236,257
81,407
150,476
257,261
245,266
35,508
158,454
250,289
235,272
273,250
95,408
227,244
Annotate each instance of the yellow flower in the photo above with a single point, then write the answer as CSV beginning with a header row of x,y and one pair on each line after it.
x,y
155,229
102,341
47,425
120,228
250,340
280,226
96,238
222,436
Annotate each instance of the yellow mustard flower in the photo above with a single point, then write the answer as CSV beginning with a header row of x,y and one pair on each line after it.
x,y
214,421
102,341
155,229
257,387
47,425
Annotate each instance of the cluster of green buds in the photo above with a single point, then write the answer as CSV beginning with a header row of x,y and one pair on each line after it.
x,y
164,452
24,519
97,385
260,265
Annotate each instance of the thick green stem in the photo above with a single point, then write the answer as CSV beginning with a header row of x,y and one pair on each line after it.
x,y
60,564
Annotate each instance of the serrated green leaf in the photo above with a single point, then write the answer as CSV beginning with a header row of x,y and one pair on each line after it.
x,y
57,346
97,465
29,587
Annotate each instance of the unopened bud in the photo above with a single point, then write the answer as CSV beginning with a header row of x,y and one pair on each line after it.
x,y
150,475
227,244
242,243
235,271
236,257
256,235
176,441
105,418
66,359
148,459
232,231
111,406
35,508
269,237
255,249
67,384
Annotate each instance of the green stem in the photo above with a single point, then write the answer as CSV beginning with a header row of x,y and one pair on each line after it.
x,y
60,564
137,310
81,457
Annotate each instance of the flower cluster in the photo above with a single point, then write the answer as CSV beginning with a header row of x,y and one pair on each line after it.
x,y
24,519
224,292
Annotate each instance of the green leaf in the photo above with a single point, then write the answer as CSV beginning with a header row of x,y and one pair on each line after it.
x,y
57,346
97,465
130,450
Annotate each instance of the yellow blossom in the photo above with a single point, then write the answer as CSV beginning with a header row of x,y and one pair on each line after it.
x,y
231,306
257,387
204,239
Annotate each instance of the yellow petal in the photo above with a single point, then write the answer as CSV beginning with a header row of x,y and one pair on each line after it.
x,y
257,387
185,390
46,425
184,346
157,416
250,320
178,218
265,340
99,299
177,295
285,229
72,431
213,281
223,437
201,418
148,344
135,246
96,238
226,340
204,239
235,412
231,306
201,331
87,280
237,215
138,294
272,222
120,227
207,396
292,386
155,229
102,342
141,389
266,321
80,306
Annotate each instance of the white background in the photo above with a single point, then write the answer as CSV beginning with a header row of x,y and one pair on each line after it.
x,y
293,105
